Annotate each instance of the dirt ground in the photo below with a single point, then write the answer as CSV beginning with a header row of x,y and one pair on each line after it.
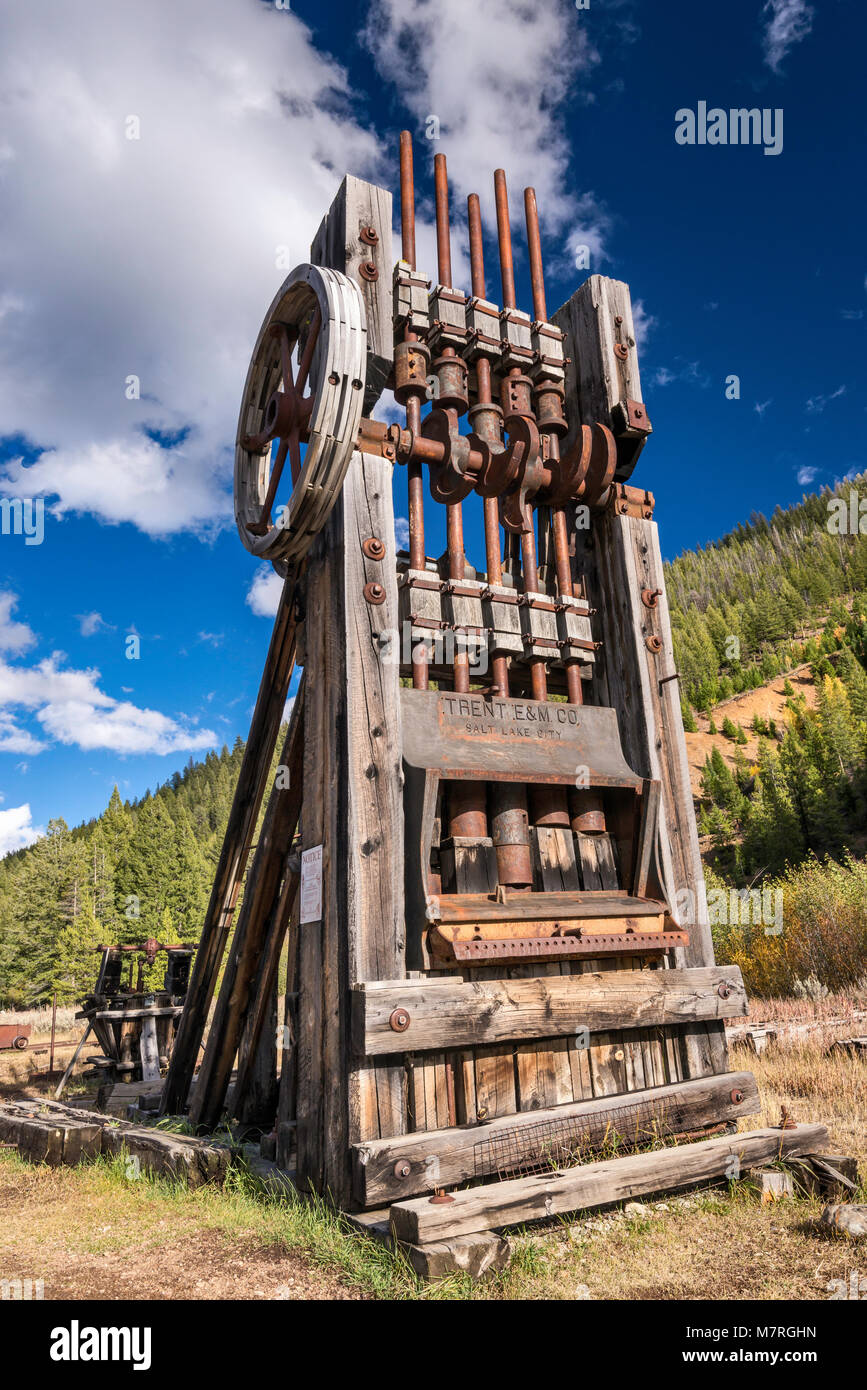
x,y
57,1226
768,702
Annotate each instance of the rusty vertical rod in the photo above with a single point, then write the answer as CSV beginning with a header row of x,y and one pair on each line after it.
x,y
414,479
538,678
559,527
508,800
466,800
444,244
454,515
407,200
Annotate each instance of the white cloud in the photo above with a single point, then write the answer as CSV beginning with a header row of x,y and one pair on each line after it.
x,y
816,404
263,595
153,257
786,23
17,829
760,407
806,474
91,623
496,74
643,323
72,709
14,637
401,532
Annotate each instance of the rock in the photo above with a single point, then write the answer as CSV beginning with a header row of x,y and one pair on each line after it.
x,y
635,1209
848,1217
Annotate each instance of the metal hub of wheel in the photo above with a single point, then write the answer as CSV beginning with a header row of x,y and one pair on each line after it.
x,y
307,410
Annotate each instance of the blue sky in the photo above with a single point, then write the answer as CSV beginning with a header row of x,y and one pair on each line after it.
x,y
157,256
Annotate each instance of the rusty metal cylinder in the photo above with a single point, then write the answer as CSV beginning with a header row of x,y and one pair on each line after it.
x,y
510,831
587,813
549,410
516,394
452,383
466,806
549,805
411,371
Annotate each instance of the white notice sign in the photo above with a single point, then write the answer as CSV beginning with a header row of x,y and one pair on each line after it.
x,y
311,885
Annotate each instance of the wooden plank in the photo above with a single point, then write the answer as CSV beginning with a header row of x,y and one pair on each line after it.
x,y
338,245
446,1157
352,769
249,791
556,849
260,895
149,1050
624,558
598,1184
462,1013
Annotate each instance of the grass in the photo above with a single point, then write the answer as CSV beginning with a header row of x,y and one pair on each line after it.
x,y
93,1224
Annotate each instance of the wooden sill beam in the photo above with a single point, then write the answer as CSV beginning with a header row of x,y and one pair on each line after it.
x,y
500,1204
456,1013
388,1170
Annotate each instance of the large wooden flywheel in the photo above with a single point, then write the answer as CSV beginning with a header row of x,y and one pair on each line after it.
x,y
302,404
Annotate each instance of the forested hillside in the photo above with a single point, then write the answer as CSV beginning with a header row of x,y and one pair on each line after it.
x,y
770,596
141,869
748,606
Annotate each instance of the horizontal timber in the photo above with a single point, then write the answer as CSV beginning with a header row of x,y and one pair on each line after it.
x,y
500,1204
443,1157
460,1013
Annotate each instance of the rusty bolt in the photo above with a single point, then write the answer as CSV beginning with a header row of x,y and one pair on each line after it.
x,y
440,1197
724,990
368,271
369,236
737,1097
653,644
374,593
402,1169
618,319
373,548
399,1020
650,597
621,351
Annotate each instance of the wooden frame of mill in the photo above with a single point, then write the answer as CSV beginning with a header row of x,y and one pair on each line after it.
x,y
479,853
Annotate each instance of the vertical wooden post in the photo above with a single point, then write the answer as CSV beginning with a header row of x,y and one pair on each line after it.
x,y
352,766
250,788
620,557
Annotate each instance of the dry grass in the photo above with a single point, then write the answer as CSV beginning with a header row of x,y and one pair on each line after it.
x,y
814,1085
90,1233
40,1019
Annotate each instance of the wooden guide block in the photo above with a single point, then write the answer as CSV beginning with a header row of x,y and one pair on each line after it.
x,y
421,608
501,614
538,615
555,851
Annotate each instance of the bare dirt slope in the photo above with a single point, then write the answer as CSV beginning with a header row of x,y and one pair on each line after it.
x,y
768,702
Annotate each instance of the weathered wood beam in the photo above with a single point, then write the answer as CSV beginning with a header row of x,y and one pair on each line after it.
x,y
620,560
387,1170
250,788
263,882
492,1011
352,764
597,1184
